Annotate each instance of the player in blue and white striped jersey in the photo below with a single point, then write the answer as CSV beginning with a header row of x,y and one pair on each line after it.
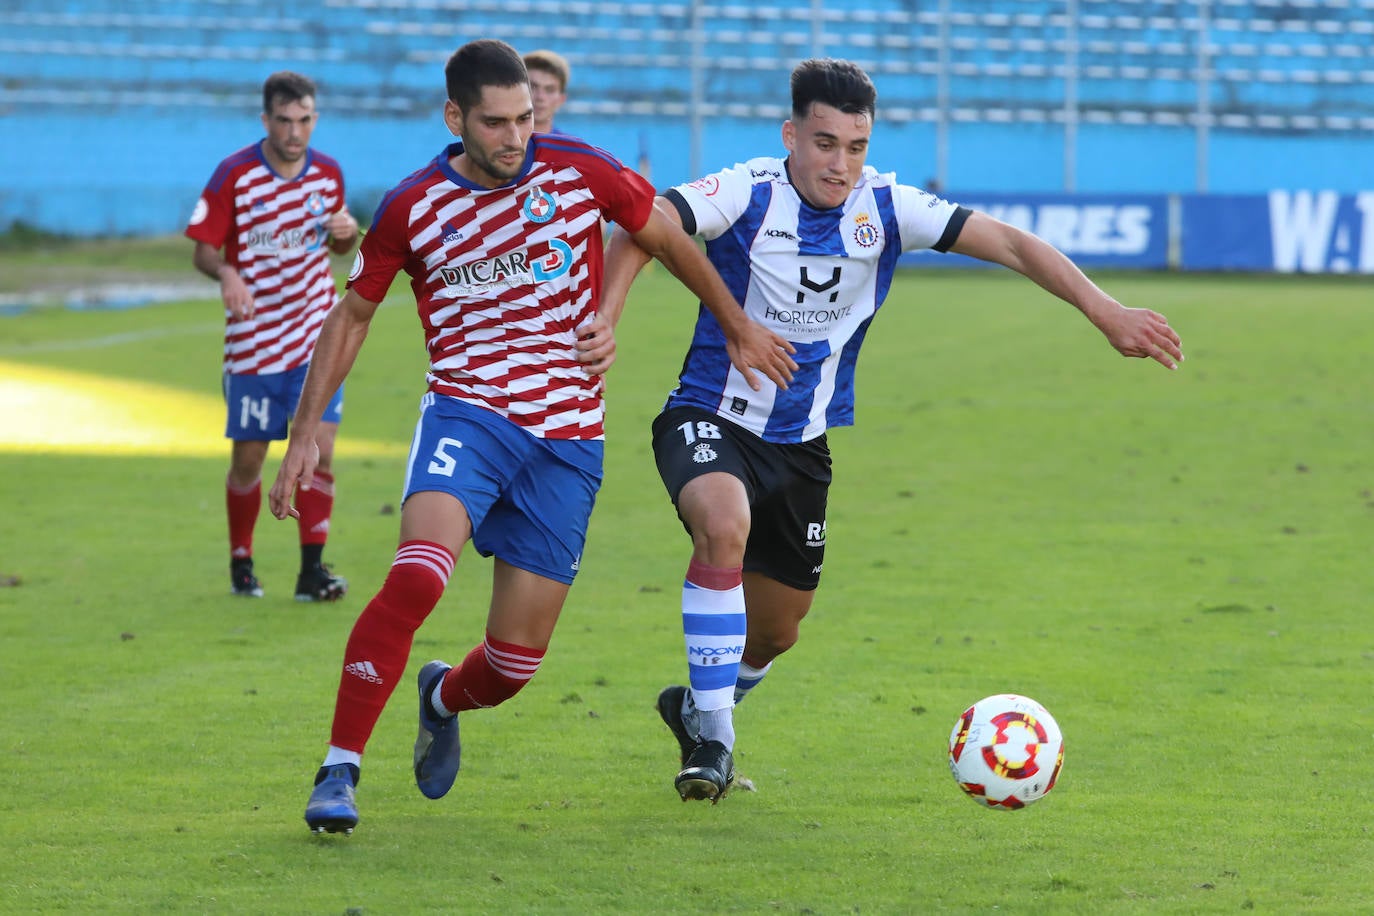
x,y
808,245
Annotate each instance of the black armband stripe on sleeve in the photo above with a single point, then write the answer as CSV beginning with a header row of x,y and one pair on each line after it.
x,y
684,210
953,228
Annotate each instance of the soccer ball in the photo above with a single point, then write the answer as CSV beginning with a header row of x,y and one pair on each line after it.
x,y
1005,751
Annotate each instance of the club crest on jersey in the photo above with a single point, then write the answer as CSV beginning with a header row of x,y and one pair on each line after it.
x,y
708,185
865,233
703,453
540,206
315,204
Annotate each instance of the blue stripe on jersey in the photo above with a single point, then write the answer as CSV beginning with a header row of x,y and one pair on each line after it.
x,y
414,178
733,248
840,410
708,366
792,408
818,232
713,624
892,245
568,144
324,159
247,154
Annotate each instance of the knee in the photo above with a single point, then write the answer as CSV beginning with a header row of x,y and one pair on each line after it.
x,y
721,537
245,470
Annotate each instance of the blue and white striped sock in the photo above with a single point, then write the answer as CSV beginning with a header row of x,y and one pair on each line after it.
x,y
714,628
748,679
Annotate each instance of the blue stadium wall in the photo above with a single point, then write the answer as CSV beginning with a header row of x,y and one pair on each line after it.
x,y
113,113
139,172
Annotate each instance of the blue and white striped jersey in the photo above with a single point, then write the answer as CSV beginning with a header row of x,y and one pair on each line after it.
x,y
816,277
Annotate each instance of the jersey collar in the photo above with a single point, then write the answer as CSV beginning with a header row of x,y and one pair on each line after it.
x,y
455,149
262,157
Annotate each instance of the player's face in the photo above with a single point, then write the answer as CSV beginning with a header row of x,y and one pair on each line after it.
x,y
547,98
289,126
496,132
828,149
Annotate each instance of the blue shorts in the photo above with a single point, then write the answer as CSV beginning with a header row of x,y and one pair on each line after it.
x,y
529,499
261,406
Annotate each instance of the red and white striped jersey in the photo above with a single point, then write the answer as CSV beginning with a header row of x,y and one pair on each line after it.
x,y
504,277
272,232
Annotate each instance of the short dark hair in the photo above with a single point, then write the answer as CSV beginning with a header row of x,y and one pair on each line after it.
x,y
841,84
286,86
482,63
552,63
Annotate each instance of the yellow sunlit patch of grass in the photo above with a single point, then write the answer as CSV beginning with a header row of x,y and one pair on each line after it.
x,y
50,410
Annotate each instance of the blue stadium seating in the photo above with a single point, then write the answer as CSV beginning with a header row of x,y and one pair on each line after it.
x,y
1016,71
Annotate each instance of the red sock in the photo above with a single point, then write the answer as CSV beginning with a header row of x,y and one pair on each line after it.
x,y
491,674
243,505
379,646
315,506
716,578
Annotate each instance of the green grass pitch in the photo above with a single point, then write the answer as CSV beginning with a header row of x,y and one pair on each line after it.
x,y
1177,564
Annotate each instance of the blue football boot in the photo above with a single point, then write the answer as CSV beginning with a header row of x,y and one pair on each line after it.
x,y
437,750
331,808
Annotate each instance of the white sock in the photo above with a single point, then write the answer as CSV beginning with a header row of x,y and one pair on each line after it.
x,y
437,701
338,755
718,725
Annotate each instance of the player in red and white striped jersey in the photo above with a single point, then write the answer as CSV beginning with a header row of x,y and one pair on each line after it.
x,y
275,210
500,236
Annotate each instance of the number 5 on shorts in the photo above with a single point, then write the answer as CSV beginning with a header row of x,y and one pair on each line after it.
x,y
443,463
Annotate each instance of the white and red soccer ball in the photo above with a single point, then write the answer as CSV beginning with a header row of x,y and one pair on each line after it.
x,y
1006,751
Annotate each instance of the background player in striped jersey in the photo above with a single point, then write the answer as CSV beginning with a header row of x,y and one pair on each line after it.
x,y
500,235
809,245
276,209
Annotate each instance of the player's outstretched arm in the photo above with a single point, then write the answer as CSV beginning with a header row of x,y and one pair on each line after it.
x,y
1135,332
750,345
341,337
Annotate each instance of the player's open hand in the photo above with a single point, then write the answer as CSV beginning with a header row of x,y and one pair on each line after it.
x,y
296,471
1143,334
596,345
756,347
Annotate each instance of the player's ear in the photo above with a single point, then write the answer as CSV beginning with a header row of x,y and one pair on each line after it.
x,y
789,135
453,117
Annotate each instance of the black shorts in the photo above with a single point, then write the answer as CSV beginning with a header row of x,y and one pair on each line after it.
x,y
787,487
